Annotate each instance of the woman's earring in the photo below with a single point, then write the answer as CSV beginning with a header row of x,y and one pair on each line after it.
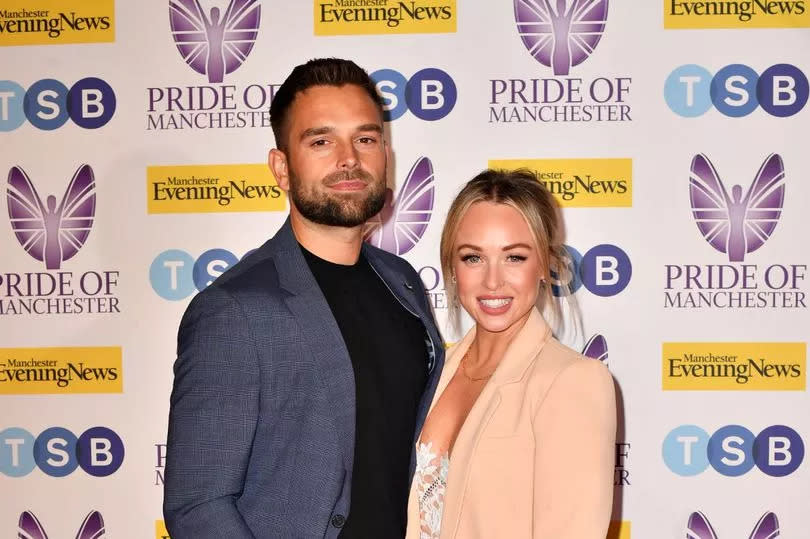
x,y
453,278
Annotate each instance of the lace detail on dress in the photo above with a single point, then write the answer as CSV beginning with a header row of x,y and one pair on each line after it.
x,y
431,481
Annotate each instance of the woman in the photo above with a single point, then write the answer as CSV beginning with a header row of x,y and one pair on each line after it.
x,y
519,440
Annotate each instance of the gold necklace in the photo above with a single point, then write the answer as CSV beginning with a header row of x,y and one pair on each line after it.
x,y
467,376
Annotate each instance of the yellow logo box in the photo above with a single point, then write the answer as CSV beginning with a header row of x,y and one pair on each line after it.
x,y
350,17
56,22
212,188
580,183
35,371
679,14
740,366
619,530
160,530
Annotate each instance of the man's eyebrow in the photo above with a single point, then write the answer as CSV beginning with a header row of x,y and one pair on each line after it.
x,y
315,131
377,128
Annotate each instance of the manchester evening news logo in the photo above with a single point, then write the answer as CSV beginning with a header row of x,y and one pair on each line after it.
x,y
56,22
698,527
60,370
736,223
734,366
92,527
580,183
214,42
560,35
351,17
736,14
212,188
53,231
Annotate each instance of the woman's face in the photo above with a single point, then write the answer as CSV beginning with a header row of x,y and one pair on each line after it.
x,y
497,266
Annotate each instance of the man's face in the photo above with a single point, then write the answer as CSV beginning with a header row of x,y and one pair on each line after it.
x,y
336,156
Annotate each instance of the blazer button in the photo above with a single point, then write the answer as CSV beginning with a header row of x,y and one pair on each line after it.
x,y
338,521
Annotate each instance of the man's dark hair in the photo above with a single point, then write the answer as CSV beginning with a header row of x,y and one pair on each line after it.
x,y
316,72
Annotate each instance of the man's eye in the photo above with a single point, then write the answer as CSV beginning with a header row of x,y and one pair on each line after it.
x,y
319,142
367,140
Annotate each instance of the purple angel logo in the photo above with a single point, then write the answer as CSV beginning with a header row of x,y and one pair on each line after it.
x,y
698,527
563,35
215,44
52,233
402,222
30,528
735,224
596,348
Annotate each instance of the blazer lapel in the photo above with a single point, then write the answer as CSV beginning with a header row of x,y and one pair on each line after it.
x,y
320,332
519,355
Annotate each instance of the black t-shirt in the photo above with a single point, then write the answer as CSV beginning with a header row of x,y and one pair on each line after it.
x,y
387,347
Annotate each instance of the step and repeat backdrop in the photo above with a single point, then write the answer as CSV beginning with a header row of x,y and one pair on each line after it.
x,y
133,143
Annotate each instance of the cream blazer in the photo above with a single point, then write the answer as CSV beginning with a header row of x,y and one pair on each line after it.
x,y
534,458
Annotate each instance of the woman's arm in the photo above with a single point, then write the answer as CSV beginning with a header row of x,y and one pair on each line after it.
x,y
575,436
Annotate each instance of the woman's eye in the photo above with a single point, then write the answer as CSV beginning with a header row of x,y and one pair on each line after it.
x,y
516,258
471,259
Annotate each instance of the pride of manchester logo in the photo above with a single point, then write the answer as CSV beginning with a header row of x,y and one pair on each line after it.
x,y
49,232
562,35
215,43
92,527
402,222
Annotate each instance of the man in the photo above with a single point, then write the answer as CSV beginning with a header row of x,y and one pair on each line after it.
x,y
305,371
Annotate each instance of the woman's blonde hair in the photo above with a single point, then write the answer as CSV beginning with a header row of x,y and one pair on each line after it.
x,y
521,190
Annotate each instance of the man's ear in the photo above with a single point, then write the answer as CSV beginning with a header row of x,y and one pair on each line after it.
x,y
277,161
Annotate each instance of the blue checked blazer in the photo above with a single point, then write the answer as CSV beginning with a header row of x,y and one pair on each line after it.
x,y
261,426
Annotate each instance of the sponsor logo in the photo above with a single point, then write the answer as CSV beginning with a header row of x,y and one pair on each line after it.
x,y
736,225
402,221
37,22
621,473
160,464
58,452
736,14
160,530
30,371
560,35
212,188
430,94
596,348
214,42
734,366
618,529
736,90
580,183
92,527
698,527
48,104
175,274
52,233
604,270
733,450
350,17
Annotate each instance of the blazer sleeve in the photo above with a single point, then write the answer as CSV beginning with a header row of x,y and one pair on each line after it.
x,y
212,420
575,436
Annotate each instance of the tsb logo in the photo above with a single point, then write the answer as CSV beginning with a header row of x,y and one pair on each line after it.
x,y
733,450
58,452
605,270
48,104
430,94
175,274
736,90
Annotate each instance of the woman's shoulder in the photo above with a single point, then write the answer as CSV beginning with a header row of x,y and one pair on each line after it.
x,y
559,365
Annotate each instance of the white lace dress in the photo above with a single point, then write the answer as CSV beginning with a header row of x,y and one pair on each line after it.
x,y
431,482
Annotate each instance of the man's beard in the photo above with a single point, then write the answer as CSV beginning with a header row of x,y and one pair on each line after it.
x,y
331,210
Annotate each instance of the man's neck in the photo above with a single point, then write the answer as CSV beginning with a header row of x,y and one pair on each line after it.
x,y
339,245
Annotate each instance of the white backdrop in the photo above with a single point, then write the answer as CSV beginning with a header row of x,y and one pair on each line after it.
x,y
652,224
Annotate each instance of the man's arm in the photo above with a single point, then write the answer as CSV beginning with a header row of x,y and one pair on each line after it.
x,y
212,420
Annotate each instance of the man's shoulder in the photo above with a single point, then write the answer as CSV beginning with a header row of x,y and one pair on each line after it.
x,y
394,262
